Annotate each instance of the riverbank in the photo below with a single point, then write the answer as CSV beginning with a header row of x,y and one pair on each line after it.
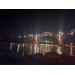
x,y
51,58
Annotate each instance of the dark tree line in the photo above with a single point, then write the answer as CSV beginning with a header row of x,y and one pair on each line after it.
x,y
8,32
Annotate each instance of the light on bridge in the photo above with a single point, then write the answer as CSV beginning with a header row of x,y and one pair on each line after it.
x,y
72,33
36,38
36,34
62,33
59,32
59,37
71,44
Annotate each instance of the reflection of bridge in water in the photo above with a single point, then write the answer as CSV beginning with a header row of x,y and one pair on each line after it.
x,y
60,37
31,48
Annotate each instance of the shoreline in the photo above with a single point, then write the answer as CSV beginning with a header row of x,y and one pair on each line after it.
x,y
31,60
37,43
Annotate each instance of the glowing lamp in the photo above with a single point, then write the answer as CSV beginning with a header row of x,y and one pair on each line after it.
x,y
62,33
71,44
59,32
24,36
19,36
38,35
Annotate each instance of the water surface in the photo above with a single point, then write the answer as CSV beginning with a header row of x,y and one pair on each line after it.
x,y
31,48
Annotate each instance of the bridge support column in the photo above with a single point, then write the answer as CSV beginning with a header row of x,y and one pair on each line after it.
x,y
60,43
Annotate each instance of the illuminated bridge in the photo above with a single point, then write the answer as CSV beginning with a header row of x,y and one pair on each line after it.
x,y
59,37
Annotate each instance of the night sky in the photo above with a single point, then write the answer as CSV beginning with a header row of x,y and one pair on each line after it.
x,y
37,21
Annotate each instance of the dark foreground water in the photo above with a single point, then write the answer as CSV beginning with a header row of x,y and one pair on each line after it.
x,y
31,48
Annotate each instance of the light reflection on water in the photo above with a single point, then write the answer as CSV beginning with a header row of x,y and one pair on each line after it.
x,y
71,52
31,49
59,50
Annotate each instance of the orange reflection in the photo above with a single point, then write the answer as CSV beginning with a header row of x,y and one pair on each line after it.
x,y
30,49
49,48
43,50
35,48
71,52
36,38
59,37
40,49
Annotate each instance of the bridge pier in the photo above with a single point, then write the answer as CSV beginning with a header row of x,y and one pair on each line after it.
x,y
60,43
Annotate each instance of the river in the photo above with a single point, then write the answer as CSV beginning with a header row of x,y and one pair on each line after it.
x,y
31,48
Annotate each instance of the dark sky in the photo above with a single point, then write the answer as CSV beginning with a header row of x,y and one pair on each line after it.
x,y
37,21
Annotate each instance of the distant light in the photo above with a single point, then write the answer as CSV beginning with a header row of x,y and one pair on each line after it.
x,y
66,45
46,40
71,44
36,34
19,36
72,33
62,33
24,36
59,32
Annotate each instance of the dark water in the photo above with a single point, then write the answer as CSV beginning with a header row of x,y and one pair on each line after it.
x,y
31,49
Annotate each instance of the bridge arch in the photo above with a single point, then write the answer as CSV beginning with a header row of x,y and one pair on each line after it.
x,y
30,35
48,37
71,33
47,33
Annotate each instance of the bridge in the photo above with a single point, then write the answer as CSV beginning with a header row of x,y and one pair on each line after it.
x,y
60,37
